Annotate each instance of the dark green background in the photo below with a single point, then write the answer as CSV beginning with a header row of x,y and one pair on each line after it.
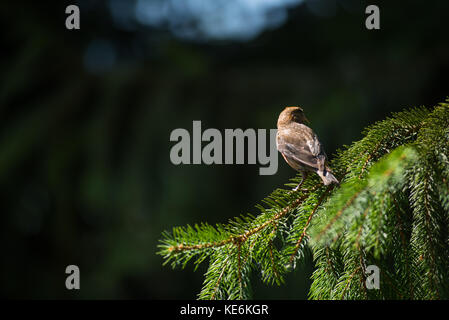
x,y
85,173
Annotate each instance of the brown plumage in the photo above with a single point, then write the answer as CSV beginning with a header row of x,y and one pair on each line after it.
x,y
300,146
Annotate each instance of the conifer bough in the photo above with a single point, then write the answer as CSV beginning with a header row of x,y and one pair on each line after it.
x,y
390,210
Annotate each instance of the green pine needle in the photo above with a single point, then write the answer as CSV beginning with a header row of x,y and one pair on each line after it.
x,y
390,210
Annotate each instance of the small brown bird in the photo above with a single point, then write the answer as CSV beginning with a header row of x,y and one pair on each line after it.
x,y
300,146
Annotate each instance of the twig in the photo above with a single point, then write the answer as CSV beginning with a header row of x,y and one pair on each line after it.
x,y
298,243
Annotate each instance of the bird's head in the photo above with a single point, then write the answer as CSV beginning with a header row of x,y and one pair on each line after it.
x,y
292,114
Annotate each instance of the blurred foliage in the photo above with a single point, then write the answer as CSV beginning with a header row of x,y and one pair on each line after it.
x,y
85,173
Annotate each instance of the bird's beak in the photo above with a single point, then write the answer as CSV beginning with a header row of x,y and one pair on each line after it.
x,y
306,120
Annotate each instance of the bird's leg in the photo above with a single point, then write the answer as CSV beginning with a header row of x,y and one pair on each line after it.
x,y
304,176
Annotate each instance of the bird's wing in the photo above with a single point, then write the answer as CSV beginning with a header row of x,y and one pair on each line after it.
x,y
300,144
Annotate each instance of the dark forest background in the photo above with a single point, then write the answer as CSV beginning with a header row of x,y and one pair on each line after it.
x,y
86,116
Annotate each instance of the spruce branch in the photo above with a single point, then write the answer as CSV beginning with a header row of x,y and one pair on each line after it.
x,y
391,210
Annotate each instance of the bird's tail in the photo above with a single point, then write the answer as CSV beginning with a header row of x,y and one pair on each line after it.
x,y
327,177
